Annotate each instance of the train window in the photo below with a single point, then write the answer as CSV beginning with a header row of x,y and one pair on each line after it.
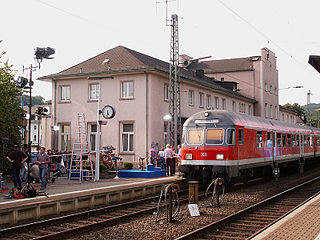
x,y
278,139
318,141
289,140
231,136
305,141
259,139
214,136
241,136
269,140
311,141
284,140
293,140
298,140
195,136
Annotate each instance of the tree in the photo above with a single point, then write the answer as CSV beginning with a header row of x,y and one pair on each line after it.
x,y
298,110
35,100
10,113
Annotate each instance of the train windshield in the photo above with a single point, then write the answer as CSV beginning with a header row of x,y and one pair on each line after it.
x,y
195,136
214,136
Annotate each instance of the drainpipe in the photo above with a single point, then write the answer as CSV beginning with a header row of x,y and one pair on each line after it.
x,y
147,112
54,143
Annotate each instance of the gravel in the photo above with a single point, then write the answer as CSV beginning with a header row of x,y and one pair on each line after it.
x,y
145,227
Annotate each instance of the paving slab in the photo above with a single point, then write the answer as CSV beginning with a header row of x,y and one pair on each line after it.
x,y
302,223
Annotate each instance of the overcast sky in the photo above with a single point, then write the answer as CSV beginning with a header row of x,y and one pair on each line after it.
x,y
79,30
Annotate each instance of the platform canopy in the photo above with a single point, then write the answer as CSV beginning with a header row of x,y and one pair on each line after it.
x,y
314,61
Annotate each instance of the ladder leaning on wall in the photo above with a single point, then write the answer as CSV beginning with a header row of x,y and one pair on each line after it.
x,y
81,165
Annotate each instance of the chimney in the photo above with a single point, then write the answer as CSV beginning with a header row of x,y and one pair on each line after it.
x,y
200,73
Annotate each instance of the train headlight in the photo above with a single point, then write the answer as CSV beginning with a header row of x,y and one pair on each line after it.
x,y
219,157
189,156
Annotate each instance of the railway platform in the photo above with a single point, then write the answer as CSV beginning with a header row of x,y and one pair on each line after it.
x,y
302,223
65,196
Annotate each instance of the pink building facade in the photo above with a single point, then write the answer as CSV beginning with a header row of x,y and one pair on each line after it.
x,y
136,85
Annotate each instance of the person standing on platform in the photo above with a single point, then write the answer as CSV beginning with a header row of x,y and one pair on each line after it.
x,y
17,158
24,168
43,160
152,155
168,159
161,159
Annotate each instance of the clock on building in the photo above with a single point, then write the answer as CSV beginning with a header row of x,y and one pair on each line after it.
x,y
108,112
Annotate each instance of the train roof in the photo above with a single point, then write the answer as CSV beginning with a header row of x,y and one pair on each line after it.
x,y
220,118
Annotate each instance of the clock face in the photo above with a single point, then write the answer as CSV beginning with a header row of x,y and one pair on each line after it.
x,y
108,112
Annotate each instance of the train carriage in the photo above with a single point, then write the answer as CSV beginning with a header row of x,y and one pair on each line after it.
x,y
238,145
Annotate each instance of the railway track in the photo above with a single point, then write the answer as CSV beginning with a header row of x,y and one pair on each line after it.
x,y
249,222
64,226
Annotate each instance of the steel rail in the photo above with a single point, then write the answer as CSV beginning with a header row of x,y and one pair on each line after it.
x,y
201,232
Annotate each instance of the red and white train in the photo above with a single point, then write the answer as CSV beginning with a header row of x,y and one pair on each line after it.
x,y
238,145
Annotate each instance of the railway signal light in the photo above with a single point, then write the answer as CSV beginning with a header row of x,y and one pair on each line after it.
x,y
44,53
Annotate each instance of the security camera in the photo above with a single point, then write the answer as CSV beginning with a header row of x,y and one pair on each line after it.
x,y
106,61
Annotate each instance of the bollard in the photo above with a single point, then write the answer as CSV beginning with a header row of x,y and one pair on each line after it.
x,y
193,192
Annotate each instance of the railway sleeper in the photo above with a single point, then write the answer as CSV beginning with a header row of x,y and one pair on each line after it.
x,y
266,216
253,226
238,229
222,237
253,219
232,233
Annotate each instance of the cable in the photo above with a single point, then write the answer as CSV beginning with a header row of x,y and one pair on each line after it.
x,y
263,34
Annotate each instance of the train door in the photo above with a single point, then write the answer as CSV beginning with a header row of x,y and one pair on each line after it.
x,y
274,145
301,145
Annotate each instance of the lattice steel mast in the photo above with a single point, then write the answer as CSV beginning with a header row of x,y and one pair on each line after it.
x,y
174,83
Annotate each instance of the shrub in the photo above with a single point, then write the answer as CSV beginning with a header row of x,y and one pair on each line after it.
x,y
128,165
103,168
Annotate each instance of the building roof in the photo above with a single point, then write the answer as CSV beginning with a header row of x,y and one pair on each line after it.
x,y
225,65
314,61
122,59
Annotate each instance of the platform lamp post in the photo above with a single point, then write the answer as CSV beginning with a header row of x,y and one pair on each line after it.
x,y
40,54
167,118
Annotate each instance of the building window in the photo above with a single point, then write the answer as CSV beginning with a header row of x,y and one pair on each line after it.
x,y
249,110
270,89
191,97
94,90
276,91
65,138
234,106
127,134
266,110
127,89
222,79
266,87
35,127
223,104
166,92
35,138
276,112
93,134
282,116
200,99
208,101
64,95
271,114
216,99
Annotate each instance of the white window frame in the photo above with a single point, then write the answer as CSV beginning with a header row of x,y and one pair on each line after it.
x,y
64,93
271,112
216,101
224,104
201,99
94,91
191,98
127,89
276,112
234,106
208,101
93,135
266,110
129,134
65,136
166,92
249,110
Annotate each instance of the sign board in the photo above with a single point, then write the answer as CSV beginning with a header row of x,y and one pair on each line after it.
x,y
206,121
194,210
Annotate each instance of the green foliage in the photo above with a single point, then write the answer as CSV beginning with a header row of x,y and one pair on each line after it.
x,y
297,109
103,168
128,165
35,100
10,110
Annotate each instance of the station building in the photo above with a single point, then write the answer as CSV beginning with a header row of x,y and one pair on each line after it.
x,y
137,86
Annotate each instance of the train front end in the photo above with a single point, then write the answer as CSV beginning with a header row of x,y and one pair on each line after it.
x,y
208,145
